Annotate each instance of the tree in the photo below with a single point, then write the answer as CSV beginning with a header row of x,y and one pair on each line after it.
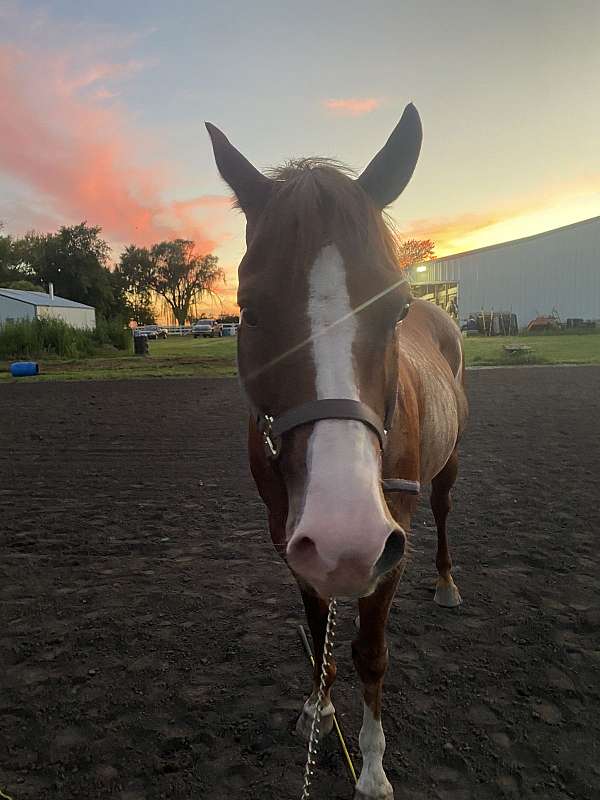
x,y
414,251
24,286
181,277
133,274
13,273
75,260
5,258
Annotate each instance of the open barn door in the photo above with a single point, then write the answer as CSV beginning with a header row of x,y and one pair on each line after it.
x,y
444,295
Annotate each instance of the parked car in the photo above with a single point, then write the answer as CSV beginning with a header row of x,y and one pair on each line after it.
x,y
151,331
229,329
207,329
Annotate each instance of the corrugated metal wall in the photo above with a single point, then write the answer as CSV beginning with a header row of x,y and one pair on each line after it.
x,y
15,309
77,317
558,269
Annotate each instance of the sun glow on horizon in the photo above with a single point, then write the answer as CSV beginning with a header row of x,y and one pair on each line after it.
x,y
520,225
454,237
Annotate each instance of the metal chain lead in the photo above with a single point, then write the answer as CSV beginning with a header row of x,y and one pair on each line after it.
x,y
313,741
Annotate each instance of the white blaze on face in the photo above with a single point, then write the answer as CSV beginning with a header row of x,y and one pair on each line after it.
x,y
329,305
342,511
372,781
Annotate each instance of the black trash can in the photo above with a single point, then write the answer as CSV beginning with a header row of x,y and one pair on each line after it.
x,y
140,345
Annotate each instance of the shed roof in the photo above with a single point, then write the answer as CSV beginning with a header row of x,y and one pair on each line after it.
x,y
41,299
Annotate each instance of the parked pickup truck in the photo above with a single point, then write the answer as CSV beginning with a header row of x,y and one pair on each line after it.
x,y
207,329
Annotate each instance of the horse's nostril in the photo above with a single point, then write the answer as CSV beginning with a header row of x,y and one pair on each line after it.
x,y
304,547
392,552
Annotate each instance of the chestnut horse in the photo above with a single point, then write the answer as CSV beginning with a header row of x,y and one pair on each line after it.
x,y
356,397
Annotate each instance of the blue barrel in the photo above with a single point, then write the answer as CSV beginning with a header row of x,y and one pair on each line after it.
x,y
20,369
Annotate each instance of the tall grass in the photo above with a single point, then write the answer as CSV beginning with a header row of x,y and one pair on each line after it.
x,y
112,332
43,337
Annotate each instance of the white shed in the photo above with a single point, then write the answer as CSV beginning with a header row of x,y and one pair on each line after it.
x,y
555,270
16,304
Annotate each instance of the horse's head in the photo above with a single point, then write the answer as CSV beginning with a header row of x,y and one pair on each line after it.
x,y
321,295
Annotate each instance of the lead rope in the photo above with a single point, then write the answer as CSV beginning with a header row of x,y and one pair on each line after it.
x,y
313,741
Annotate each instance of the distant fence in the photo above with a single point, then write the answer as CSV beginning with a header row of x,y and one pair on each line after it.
x,y
178,330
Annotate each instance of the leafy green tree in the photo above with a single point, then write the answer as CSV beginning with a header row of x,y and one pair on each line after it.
x,y
5,253
24,286
13,274
181,277
133,277
75,260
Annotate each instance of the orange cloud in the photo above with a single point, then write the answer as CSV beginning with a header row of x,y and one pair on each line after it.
x,y
69,146
445,230
353,106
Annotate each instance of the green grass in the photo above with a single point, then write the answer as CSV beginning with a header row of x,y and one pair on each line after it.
x,y
545,349
176,357
184,357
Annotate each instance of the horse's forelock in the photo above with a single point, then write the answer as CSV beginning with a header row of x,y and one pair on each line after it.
x,y
315,201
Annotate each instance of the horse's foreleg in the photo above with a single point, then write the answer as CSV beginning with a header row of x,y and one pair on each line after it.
x,y
446,592
370,655
316,616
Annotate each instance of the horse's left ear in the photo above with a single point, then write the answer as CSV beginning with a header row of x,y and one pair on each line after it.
x,y
392,168
250,186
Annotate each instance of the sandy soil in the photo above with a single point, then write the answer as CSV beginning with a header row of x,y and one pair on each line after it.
x,y
148,643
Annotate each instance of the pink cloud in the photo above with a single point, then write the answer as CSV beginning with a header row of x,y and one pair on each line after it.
x,y
353,106
105,94
73,149
98,72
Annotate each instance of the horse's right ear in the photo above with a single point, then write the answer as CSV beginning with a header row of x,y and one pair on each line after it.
x,y
250,186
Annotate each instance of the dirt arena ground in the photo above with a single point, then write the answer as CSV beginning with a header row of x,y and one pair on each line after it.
x,y
148,644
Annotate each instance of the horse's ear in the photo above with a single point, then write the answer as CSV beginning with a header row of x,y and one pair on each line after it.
x,y
250,186
391,169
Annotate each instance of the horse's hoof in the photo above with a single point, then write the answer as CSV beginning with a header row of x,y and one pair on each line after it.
x,y
446,593
305,720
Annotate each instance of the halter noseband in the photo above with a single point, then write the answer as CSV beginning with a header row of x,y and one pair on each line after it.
x,y
273,428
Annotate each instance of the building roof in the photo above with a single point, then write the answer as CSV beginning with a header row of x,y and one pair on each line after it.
x,y
488,247
40,299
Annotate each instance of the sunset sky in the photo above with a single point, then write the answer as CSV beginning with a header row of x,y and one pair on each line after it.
x,y
102,107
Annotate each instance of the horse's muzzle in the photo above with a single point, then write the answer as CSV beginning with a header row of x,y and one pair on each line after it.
x,y
351,577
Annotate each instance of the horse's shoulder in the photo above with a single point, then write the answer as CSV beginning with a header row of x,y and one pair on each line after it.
x,y
436,334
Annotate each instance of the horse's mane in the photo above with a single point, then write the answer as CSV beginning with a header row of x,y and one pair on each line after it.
x,y
315,201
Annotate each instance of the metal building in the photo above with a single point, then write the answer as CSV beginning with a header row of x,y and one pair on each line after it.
x,y
16,305
555,271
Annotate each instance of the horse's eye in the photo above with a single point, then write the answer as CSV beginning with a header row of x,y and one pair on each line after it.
x,y
249,317
403,312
